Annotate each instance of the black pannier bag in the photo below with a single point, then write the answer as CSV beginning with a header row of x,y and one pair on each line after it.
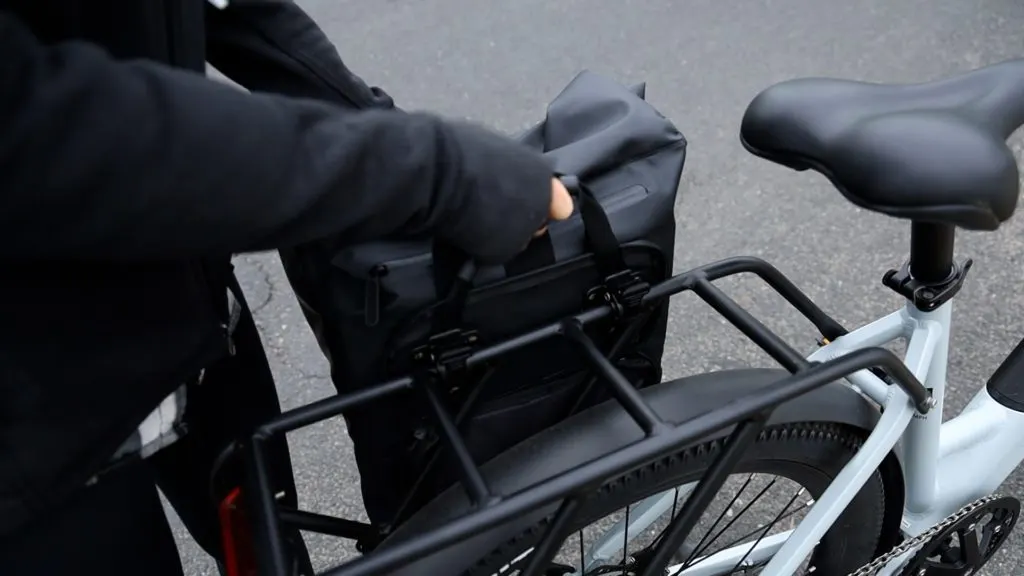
x,y
375,307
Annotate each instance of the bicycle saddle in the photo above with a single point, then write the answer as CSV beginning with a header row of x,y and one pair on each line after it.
x,y
931,152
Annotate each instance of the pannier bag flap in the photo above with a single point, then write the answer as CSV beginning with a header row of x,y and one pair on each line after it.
x,y
596,129
596,125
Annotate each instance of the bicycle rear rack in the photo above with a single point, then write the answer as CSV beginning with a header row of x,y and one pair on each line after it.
x,y
747,413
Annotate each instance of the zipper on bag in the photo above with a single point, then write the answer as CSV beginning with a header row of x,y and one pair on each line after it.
x,y
371,305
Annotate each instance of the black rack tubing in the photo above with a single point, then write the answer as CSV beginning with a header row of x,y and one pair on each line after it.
x,y
554,329
472,479
428,468
771,275
616,349
630,457
330,407
333,406
313,522
622,389
500,512
549,544
266,523
679,528
767,340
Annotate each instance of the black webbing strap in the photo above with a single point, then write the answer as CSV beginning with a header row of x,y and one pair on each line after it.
x,y
453,278
600,238
454,270
540,252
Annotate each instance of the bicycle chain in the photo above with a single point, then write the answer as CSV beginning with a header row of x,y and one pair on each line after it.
x,y
872,568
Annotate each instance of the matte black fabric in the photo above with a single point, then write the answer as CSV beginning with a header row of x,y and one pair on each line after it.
x,y
931,152
597,230
115,528
540,253
273,46
370,304
236,395
117,221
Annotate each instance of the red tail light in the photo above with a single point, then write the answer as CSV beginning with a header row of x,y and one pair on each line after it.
x,y
236,536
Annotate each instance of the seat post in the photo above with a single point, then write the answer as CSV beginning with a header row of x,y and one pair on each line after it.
x,y
931,252
930,278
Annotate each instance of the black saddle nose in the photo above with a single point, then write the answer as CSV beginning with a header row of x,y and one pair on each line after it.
x,y
931,152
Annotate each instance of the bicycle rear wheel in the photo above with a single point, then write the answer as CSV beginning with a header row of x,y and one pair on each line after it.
x,y
804,457
806,454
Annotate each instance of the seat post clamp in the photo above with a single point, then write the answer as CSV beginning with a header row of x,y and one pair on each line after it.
x,y
927,297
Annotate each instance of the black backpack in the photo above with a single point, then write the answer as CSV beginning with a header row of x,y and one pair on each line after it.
x,y
379,309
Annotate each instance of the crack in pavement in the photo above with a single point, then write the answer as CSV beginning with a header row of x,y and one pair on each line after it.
x,y
265,277
279,352
276,345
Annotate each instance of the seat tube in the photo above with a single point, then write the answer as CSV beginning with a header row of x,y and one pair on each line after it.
x,y
921,442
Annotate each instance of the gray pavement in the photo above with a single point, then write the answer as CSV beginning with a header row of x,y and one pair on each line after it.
x,y
501,62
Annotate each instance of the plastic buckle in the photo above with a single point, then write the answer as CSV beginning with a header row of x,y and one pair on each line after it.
x,y
623,291
448,351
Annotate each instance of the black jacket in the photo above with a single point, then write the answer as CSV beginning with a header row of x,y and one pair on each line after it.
x,y
125,186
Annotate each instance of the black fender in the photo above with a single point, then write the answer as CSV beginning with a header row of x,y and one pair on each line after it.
x,y
606,428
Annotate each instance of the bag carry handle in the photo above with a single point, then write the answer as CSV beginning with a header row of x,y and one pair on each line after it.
x,y
454,271
598,236
597,230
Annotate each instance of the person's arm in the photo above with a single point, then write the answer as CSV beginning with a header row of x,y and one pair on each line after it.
x,y
274,46
115,160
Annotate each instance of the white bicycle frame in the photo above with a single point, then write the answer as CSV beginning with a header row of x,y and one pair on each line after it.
x,y
946,465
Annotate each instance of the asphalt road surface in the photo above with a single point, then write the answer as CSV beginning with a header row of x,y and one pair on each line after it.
x,y
501,62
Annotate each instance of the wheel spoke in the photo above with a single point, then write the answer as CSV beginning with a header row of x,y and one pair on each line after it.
x,y
675,502
696,555
583,556
775,521
762,529
642,516
700,547
625,539
699,551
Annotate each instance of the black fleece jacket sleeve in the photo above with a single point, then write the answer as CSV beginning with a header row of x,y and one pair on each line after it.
x,y
102,159
274,46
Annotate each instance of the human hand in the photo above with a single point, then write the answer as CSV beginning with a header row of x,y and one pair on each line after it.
x,y
505,195
561,205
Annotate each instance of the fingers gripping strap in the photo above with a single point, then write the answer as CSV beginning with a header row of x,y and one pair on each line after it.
x,y
454,270
597,229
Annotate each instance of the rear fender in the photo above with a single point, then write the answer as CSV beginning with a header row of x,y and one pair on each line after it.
x,y
608,427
